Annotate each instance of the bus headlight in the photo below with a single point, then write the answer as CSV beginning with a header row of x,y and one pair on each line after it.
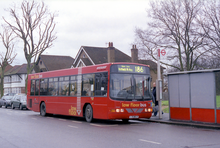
x,y
117,110
148,109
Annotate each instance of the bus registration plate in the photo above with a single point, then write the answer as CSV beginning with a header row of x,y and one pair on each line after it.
x,y
133,117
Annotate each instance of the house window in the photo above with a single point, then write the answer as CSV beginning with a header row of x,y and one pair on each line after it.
x,y
84,56
7,79
15,78
40,62
6,90
16,90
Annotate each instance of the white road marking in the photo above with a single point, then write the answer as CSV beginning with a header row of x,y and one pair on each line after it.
x,y
149,141
99,125
72,126
62,119
76,122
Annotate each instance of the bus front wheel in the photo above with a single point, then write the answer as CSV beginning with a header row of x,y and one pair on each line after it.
x,y
125,120
89,113
43,109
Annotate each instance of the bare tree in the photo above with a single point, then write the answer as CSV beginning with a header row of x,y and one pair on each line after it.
x,y
173,26
210,23
8,56
34,25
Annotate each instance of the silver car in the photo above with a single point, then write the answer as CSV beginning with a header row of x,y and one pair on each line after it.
x,y
6,101
19,101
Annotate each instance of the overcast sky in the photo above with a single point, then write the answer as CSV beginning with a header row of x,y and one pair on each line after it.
x,y
89,23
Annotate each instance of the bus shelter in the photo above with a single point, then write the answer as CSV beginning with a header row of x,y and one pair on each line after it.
x,y
195,96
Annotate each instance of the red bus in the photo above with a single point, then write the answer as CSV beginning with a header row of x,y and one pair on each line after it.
x,y
105,91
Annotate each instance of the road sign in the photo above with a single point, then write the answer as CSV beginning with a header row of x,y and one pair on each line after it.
x,y
162,54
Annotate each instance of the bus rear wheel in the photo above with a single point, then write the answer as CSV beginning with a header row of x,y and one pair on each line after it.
x,y
89,113
43,109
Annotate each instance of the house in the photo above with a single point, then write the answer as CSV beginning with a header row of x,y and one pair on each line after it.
x,y
14,79
88,55
97,55
53,62
8,67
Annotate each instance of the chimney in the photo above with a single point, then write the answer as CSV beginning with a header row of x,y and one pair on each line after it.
x,y
134,54
111,53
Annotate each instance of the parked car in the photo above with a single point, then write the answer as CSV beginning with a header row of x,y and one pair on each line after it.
x,y
6,101
19,101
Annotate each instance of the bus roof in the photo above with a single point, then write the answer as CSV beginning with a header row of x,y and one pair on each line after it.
x,y
74,71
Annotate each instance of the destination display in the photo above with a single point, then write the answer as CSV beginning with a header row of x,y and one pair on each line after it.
x,y
129,69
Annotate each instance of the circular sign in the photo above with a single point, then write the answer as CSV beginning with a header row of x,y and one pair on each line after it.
x,y
163,52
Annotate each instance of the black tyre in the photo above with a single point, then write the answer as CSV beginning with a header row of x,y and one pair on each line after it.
x,y
43,109
12,106
20,106
6,106
125,120
89,113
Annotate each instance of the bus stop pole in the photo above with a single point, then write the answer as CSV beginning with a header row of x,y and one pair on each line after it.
x,y
159,86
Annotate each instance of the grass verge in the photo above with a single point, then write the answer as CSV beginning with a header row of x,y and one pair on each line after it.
x,y
165,106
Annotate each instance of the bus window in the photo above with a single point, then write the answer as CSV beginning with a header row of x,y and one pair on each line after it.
x,y
32,87
53,87
141,85
130,86
73,86
43,87
64,86
101,82
88,85
37,87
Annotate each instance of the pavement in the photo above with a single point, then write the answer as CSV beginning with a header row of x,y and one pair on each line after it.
x,y
166,120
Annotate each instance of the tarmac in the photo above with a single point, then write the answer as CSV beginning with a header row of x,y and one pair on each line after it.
x,y
166,120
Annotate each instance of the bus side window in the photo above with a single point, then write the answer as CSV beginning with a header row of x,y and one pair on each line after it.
x,y
53,87
101,83
73,86
88,85
32,87
37,87
64,86
43,87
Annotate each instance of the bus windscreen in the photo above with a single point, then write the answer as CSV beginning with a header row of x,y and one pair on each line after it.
x,y
130,82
